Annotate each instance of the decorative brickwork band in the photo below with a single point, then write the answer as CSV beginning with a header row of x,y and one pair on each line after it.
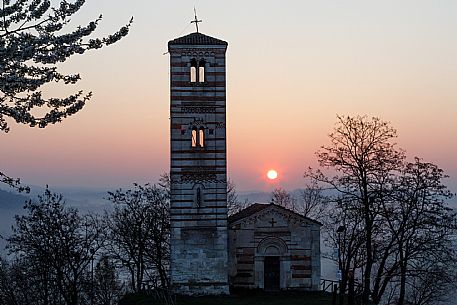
x,y
198,177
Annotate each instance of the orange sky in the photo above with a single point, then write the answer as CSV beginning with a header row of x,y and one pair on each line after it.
x,y
290,70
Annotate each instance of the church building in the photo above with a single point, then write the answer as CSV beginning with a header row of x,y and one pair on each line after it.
x,y
263,246
273,248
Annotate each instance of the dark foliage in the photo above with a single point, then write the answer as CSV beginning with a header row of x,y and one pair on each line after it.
x,y
53,247
138,232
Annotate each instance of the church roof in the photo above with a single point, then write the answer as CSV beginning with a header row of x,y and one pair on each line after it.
x,y
197,39
257,207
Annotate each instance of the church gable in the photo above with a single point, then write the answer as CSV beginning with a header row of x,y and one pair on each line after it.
x,y
273,248
265,215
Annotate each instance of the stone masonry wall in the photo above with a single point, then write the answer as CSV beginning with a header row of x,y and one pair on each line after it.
x,y
198,174
297,243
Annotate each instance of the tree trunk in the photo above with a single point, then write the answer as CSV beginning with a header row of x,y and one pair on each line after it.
x,y
369,262
160,268
132,273
74,297
402,295
351,288
138,279
343,286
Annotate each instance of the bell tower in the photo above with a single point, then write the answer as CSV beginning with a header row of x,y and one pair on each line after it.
x,y
199,254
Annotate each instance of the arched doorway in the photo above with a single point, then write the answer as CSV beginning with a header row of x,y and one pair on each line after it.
x,y
269,266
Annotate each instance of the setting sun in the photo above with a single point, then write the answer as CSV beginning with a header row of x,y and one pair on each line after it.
x,y
272,174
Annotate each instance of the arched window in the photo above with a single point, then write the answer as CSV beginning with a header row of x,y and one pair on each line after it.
x,y
193,71
198,137
197,71
201,71
194,137
201,137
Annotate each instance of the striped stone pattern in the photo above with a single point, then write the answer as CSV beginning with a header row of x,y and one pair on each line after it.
x,y
296,241
199,255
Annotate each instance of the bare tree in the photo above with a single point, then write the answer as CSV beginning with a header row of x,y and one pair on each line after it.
x,y
363,155
423,227
138,232
432,281
393,213
17,286
108,287
8,289
234,204
283,198
55,246
312,201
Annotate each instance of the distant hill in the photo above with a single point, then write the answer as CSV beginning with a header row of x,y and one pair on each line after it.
x,y
264,197
11,204
254,196
9,200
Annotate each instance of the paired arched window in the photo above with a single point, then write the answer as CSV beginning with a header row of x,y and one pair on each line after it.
x,y
201,137
198,137
194,137
193,72
197,71
201,71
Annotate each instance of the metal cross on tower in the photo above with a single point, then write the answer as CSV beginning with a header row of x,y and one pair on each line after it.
x,y
196,21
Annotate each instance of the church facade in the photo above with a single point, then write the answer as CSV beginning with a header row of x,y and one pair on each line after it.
x,y
273,248
208,253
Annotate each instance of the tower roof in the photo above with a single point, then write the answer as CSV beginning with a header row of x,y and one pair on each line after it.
x,y
196,39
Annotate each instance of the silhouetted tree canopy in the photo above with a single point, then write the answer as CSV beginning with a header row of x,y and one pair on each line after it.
x,y
234,204
283,198
53,246
394,214
107,288
138,233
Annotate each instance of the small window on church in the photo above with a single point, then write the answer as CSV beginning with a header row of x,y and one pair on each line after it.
x,y
201,137
193,71
194,137
199,197
201,71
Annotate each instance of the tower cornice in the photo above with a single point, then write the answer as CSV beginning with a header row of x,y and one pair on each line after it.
x,y
196,39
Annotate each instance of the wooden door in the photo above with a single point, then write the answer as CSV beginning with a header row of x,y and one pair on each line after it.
x,y
271,273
